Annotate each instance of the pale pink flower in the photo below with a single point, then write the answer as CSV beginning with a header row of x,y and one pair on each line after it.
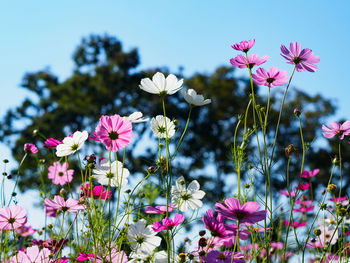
x,y
159,209
168,223
335,128
309,174
25,231
253,60
32,255
286,193
12,218
114,132
303,59
59,204
271,78
244,45
30,148
59,173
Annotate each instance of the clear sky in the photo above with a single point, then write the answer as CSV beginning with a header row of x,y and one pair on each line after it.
x,y
190,33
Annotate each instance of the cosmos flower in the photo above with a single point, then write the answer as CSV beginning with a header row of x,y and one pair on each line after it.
x,y
247,214
32,254
25,231
162,127
271,78
189,197
30,148
158,209
335,128
114,174
303,59
59,173
295,224
114,132
96,192
193,98
135,117
161,85
168,223
143,238
59,204
309,174
12,218
216,256
52,143
72,144
240,61
244,45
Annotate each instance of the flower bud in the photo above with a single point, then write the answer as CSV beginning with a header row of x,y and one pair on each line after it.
x,y
127,191
35,132
331,188
297,112
5,161
9,176
202,233
62,192
151,169
335,160
202,242
317,232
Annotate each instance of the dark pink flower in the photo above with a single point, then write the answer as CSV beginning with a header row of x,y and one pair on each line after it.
x,y
309,174
97,192
30,148
216,256
303,187
215,225
271,78
303,59
335,128
247,214
52,143
12,218
286,193
244,45
168,223
253,60
160,209
295,224
114,132
304,209
84,257
339,199
59,204
59,173
25,231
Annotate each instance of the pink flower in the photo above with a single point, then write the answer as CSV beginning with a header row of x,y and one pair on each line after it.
x,y
216,225
253,60
246,214
286,193
304,208
270,78
32,254
97,192
25,231
158,209
168,223
114,132
295,224
30,148
215,256
335,128
12,218
309,174
303,59
244,45
303,187
84,257
59,204
59,173
52,143
339,199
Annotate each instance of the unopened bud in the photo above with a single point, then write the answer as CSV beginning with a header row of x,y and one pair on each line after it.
x,y
35,132
297,112
317,232
202,242
202,233
331,188
62,192
151,169
5,161
127,191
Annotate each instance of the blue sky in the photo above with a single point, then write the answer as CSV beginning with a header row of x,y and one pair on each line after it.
x,y
194,34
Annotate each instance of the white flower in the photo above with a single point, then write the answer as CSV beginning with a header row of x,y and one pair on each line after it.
x,y
158,127
113,173
193,98
142,238
186,198
136,117
141,257
160,85
71,144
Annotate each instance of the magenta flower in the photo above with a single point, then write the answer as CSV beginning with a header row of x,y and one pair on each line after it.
x,y
253,60
309,174
97,192
59,204
216,225
215,256
25,231
59,173
295,224
32,254
12,218
303,187
304,208
158,209
168,223
52,143
339,199
335,128
30,148
114,132
303,59
286,193
270,78
244,45
247,214
84,257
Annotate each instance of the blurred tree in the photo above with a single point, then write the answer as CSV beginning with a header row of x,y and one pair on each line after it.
x,y
105,81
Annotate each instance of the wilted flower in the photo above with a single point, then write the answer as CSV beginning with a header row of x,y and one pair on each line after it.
x,y
160,85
